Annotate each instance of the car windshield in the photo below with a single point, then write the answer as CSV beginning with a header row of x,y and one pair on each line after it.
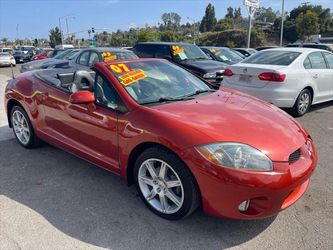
x,y
276,57
62,54
226,54
117,55
157,81
187,52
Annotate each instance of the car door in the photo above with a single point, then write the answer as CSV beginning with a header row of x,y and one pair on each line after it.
x,y
82,61
89,131
320,74
329,60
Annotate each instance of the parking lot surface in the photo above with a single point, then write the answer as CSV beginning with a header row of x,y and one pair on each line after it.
x,y
50,199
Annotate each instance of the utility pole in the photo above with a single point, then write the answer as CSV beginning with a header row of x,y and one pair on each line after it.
x,y
60,31
252,6
282,21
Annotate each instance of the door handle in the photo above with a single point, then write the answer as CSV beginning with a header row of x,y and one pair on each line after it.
x,y
315,76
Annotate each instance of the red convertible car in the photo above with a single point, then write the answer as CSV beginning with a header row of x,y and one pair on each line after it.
x,y
182,143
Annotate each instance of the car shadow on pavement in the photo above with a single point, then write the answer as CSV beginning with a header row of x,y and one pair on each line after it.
x,y
318,107
96,207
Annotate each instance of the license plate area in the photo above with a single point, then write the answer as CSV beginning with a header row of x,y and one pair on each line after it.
x,y
245,78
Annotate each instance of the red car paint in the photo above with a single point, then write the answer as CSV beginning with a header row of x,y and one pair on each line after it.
x,y
110,139
41,56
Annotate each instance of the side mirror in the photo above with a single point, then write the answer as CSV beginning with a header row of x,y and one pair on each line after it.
x,y
82,97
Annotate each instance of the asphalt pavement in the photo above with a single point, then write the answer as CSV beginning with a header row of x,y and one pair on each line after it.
x,y
50,199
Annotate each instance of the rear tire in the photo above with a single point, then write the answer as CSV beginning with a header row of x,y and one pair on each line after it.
x,y
302,103
23,129
171,193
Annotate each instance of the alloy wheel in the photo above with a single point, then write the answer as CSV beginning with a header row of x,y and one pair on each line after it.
x,y
21,127
303,103
161,186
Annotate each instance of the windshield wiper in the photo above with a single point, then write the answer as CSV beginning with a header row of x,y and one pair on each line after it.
x,y
167,99
200,91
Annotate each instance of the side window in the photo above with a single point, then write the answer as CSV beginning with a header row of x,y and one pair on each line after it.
x,y
83,60
307,63
163,51
93,58
329,58
317,60
107,96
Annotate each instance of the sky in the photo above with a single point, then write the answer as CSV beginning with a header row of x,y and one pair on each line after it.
x,y
34,18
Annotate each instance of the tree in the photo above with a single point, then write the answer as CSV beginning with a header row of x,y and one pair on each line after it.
x,y
307,24
171,21
224,24
209,20
265,14
325,20
55,37
230,13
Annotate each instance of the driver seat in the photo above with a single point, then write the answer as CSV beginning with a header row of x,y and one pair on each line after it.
x,y
83,80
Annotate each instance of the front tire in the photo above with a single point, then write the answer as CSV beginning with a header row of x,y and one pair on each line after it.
x,y
165,184
302,103
23,129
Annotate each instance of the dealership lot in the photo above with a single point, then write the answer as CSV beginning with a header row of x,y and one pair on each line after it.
x,y
49,198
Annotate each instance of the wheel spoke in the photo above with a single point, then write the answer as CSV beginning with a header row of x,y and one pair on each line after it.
x,y
151,169
164,203
151,195
163,170
25,136
146,180
173,183
173,198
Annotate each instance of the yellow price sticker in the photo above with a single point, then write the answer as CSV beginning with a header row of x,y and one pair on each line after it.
x,y
132,77
176,50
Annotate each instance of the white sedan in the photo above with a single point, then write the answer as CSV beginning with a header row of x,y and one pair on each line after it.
x,y
7,59
287,77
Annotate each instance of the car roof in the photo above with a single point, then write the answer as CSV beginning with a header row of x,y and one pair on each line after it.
x,y
213,47
295,49
102,49
165,43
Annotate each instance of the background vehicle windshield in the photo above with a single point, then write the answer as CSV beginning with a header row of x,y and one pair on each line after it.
x,y
149,81
4,54
276,57
187,52
226,55
118,55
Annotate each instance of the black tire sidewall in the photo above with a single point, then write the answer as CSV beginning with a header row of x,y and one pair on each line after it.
x,y
189,185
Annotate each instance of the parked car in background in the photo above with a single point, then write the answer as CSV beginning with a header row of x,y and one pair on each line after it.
x,y
22,56
222,54
42,54
186,55
184,145
59,61
292,78
64,46
328,47
266,47
6,50
88,57
7,59
246,51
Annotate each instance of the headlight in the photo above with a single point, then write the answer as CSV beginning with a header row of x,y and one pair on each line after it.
x,y
235,155
209,75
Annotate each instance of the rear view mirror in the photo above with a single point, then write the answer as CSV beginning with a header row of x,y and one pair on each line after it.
x,y
82,97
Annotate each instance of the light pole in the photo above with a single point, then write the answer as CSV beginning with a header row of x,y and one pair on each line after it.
x,y
282,21
68,16
72,17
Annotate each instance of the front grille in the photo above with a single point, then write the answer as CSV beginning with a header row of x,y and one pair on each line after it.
x,y
294,156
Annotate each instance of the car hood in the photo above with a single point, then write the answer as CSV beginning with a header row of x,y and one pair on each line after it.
x,y
231,116
203,65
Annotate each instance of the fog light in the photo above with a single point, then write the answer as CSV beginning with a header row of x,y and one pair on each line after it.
x,y
244,206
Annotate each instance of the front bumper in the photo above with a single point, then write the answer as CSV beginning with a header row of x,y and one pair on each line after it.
x,y
224,189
